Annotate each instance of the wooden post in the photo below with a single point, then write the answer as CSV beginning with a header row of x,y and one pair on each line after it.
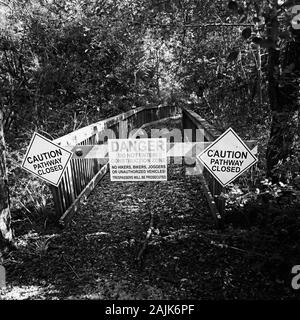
x,y
191,120
5,215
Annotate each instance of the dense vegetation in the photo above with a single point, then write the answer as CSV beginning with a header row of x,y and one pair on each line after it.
x,y
65,64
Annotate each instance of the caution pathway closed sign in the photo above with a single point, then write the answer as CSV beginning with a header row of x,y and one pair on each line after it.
x,y
45,159
227,157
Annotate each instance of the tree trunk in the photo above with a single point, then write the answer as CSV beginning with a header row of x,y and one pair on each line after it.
x,y
283,129
283,96
259,76
5,217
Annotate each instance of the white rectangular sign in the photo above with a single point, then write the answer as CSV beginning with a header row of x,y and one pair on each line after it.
x,y
138,159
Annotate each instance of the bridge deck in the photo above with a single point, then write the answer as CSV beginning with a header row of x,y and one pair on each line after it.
x,y
96,257
97,254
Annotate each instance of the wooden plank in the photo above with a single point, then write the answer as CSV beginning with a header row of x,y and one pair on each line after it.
x,y
61,195
160,121
73,173
83,168
211,203
77,184
56,198
65,219
68,187
191,120
201,123
82,134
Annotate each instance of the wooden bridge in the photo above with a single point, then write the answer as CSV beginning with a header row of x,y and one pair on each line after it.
x,y
82,175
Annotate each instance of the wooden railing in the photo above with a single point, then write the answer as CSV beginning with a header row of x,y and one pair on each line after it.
x,y
82,175
211,187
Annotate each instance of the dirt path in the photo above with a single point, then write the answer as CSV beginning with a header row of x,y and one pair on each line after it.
x,y
96,256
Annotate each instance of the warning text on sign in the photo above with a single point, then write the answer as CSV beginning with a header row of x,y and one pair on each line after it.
x,y
138,159
227,157
45,159
225,160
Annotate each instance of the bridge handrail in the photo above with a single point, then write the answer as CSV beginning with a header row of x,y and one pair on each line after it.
x,y
82,175
78,136
211,187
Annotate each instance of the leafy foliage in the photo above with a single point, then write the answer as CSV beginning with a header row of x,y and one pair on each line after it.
x,y
65,64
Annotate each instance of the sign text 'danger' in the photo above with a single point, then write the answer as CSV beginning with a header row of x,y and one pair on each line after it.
x,y
138,159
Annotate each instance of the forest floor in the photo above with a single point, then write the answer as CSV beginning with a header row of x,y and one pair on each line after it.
x,y
96,256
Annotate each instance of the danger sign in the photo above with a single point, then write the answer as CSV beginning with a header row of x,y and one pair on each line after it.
x,y
138,159
45,159
227,157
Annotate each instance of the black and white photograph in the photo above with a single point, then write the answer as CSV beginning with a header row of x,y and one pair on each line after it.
x,y
149,153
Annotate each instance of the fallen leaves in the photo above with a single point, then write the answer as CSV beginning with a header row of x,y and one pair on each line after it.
x,y
95,257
